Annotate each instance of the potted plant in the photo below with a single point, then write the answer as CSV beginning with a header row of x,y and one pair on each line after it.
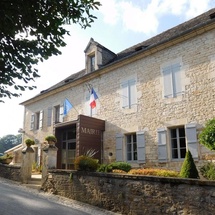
x,y
51,139
6,159
29,142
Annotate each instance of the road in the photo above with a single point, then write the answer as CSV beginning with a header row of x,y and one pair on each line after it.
x,y
17,199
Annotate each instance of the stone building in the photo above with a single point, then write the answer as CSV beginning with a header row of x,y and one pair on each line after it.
x,y
153,100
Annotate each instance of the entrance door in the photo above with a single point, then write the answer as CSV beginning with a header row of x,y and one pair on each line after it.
x,y
68,148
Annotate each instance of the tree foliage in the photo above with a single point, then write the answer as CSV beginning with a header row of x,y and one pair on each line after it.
x,y
207,136
188,169
9,141
34,30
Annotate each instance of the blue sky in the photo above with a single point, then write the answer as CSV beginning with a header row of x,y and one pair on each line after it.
x,y
120,24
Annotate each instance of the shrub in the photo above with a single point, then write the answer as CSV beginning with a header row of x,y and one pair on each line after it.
x,y
207,136
208,171
85,163
154,172
102,168
119,171
5,157
118,165
51,138
29,142
188,169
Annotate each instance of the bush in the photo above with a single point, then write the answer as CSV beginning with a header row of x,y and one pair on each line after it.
x,y
154,172
207,136
118,165
29,142
102,168
85,163
208,171
51,138
188,169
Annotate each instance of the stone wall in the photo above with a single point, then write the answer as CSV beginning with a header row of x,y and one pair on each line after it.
x,y
136,195
10,172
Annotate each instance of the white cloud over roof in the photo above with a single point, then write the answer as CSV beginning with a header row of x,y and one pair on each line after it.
x,y
144,15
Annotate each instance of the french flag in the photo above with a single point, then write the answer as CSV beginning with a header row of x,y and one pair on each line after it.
x,y
93,98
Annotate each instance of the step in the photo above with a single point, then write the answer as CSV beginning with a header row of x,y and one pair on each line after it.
x,y
35,182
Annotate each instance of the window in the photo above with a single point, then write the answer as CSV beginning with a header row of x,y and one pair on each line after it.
x,y
131,142
132,145
180,139
49,116
32,121
37,120
129,93
58,114
172,80
92,63
178,142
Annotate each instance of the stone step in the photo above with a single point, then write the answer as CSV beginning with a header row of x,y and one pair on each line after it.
x,y
35,182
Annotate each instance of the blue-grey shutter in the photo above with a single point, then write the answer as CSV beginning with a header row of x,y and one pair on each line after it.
x,y
176,73
125,95
191,137
141,150
49,117
132,94
167,77
119,147
162,145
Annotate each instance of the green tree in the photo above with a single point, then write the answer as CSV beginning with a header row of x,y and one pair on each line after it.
x,y
207,136
32,31
188,169
9,141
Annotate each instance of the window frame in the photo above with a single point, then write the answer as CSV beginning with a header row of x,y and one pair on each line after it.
x,y
178,139
92,62
172,79
129,93
133,152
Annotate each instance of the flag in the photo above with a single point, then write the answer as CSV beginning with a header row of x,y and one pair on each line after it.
x,y
67,106
93,98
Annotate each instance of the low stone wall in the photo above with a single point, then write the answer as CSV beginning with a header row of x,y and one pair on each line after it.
x,y
10,172
135,195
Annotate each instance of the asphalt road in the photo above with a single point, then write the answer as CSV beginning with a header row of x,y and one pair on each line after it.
x,y
16,199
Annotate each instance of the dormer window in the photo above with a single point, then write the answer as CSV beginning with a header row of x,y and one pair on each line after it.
x,y
96,56
92,63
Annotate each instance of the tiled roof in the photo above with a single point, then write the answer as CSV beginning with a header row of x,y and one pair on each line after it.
x,y
165,36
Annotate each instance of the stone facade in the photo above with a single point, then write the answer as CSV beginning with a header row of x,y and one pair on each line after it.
x,y
150,111
136,195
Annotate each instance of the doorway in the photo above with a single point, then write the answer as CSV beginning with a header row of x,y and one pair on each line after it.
x,y
68,148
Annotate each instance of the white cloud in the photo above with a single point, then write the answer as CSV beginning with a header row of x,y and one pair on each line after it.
x,y
144,17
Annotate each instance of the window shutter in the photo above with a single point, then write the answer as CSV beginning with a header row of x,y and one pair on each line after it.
x,y
132,96
125,95
162,145
41,119
191,137
141,151
32,121
119,147
61,114
167,77
49,120
176,72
